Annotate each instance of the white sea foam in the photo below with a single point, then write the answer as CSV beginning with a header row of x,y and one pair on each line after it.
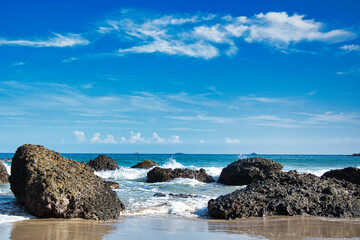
x,y
213,171
172,163
8,218
7,165
182,181
123,173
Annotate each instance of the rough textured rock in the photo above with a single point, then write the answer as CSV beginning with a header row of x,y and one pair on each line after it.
x,y
103,162
175,195
350,174
290,194
52,186
146,164
158,174
4,176
249,170
112,185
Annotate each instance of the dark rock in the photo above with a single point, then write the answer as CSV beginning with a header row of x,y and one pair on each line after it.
x,y
249,170
356,155
350,174
174,195
112,185
51,186
146,164
103,162
158,174
290,194
4,176
159,195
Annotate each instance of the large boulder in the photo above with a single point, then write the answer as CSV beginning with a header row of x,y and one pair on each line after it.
x,y
52,186
103,162
4,176
159,174
350,174
249,170
146,164
290,194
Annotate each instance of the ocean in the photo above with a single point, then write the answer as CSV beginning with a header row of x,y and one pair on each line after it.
x,y
140,199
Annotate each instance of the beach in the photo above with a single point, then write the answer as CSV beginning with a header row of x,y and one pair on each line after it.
x,y
166,227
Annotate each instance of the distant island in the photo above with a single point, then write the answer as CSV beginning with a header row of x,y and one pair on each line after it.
x,y
356,154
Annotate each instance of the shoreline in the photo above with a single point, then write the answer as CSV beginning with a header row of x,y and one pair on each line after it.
x,y
153,227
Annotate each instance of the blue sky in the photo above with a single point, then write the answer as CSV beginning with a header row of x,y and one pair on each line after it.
x,y
178,76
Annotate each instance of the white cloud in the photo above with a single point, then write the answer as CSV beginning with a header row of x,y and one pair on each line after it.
x,y
158,139
109,139
60,40
135,137
208,36
205,118
202,141
96,138
350,48
280,29
273,121
174,139
18,63
265,99
332,118
80,136
232,140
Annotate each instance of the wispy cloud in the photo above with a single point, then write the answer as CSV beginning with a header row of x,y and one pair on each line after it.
x,y
212,119
59,40
232,140
80,136
350,48
266,99
210,35
273,121
18,63
352,70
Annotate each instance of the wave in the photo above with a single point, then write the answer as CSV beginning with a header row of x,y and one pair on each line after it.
x,y
123,173
172,163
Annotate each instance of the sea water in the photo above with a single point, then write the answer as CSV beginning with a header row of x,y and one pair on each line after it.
x,y
140,197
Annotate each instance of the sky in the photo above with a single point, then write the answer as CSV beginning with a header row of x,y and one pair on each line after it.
x,y
106,76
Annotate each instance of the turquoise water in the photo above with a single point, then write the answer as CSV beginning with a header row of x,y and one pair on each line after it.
x,y
138,196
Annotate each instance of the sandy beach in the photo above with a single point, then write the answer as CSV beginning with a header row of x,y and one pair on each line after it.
x,y
165,227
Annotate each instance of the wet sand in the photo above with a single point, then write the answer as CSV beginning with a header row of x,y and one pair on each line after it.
x,y
166,227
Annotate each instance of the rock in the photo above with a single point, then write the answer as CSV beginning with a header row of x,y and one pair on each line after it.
x,y
249,170
356,155
4,176
350,174
103,162
146,164
290,194
174,195
51,186
112,185
158,174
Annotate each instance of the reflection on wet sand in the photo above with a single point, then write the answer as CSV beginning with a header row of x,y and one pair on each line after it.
x,y
283,228
56,229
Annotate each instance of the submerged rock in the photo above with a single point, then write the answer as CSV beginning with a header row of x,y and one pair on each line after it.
x,y
290,194
175,195
112,184
350,174
4,176
52,186
103,162
158,174
249,170
146,164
